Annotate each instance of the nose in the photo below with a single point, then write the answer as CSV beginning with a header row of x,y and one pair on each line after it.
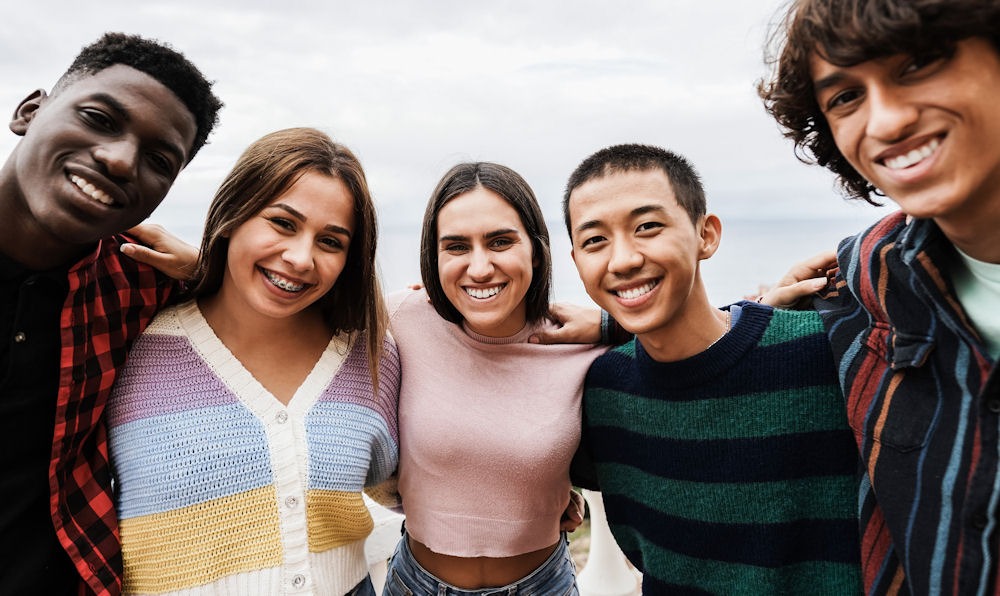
x,y
298,253
891,117
119,156
480,265
625,258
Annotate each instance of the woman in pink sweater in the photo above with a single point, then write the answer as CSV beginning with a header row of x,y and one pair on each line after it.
x,y
488,421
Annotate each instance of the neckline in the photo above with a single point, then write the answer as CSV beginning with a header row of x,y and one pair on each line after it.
x,y
711,363
241,381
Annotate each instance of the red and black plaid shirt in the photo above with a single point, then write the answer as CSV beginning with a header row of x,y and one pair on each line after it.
x,y
111,299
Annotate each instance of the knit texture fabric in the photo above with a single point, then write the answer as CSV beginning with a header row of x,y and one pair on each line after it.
x,y
488,427
733,471
221,488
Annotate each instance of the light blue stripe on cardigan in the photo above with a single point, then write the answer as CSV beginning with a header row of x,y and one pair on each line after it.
x,y
344,441
175,460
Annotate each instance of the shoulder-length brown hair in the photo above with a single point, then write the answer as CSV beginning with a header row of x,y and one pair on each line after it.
x,y
267,168
512,188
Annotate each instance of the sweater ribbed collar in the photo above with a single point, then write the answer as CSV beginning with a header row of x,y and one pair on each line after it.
x,y
520,337
707,366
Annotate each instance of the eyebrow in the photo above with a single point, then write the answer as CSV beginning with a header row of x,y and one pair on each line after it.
x,y
124,114
643,210
299,216
487,235
830,80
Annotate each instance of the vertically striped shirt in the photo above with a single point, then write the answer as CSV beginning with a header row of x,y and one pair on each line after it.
x,y
923,399
733,471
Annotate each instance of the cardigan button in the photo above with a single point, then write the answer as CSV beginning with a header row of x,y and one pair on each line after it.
x,y
281,417
298,581
20,337
993,405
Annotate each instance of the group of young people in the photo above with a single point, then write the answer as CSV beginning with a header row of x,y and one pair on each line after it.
x,y
215,434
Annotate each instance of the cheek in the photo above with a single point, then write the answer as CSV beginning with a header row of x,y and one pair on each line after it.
x,y
448,269
846,136
522,261
154,186
337,270
332,265
587,267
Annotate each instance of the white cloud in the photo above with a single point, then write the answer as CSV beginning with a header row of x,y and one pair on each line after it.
x,y
414,87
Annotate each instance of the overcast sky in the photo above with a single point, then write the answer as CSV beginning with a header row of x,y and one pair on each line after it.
x,y
414,87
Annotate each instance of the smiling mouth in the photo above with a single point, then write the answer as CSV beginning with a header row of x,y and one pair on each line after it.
x,y
636,292
483,293
913,157
281,282
91,191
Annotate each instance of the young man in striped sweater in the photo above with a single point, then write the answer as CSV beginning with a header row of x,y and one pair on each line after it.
x,y
718,437
899,98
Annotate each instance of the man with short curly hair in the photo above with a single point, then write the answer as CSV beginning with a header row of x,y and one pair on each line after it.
x,y
899,98
96,157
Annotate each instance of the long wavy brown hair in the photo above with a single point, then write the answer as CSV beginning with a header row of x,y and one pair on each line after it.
x,y
267,168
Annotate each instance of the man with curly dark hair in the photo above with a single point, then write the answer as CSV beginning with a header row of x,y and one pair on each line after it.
x,y
899,98
96,156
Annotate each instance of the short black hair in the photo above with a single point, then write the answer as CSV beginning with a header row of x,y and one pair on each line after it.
x,y
158,60
684,179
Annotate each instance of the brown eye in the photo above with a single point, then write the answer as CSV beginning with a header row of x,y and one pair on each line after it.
x,y
842,98
98,119
921,62
282,223
332,243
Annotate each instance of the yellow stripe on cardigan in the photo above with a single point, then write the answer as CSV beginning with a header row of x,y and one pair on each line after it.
x,y
336,518
201,543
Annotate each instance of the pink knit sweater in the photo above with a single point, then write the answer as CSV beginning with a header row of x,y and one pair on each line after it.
x,y
487,430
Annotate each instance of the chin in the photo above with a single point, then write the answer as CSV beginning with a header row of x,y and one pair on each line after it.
x,y
631,325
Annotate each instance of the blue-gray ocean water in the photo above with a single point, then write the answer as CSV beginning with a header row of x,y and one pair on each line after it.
x,y
753,252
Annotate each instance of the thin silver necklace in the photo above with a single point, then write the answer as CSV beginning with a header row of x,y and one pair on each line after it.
x,y
729,322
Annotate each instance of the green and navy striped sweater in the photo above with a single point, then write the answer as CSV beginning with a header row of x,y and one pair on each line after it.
x,y
734,471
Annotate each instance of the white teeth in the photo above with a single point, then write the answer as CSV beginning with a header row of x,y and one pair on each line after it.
x,y
92,191
484,292
633,293
281,282
915,156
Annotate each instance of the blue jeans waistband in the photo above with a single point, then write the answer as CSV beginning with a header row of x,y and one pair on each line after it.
x,y
556,576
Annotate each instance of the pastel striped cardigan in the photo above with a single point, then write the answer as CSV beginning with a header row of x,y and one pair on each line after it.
x,y
222,489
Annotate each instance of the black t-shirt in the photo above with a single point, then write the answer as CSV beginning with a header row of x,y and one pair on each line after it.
x,y
31,559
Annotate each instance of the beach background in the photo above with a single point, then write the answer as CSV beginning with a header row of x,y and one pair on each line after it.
x,y
415,87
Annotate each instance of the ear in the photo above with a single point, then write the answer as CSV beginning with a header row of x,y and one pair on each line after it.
x,y
711,235
26,111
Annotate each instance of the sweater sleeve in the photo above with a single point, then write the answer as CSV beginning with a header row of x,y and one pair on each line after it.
x,y
385,453
582,472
